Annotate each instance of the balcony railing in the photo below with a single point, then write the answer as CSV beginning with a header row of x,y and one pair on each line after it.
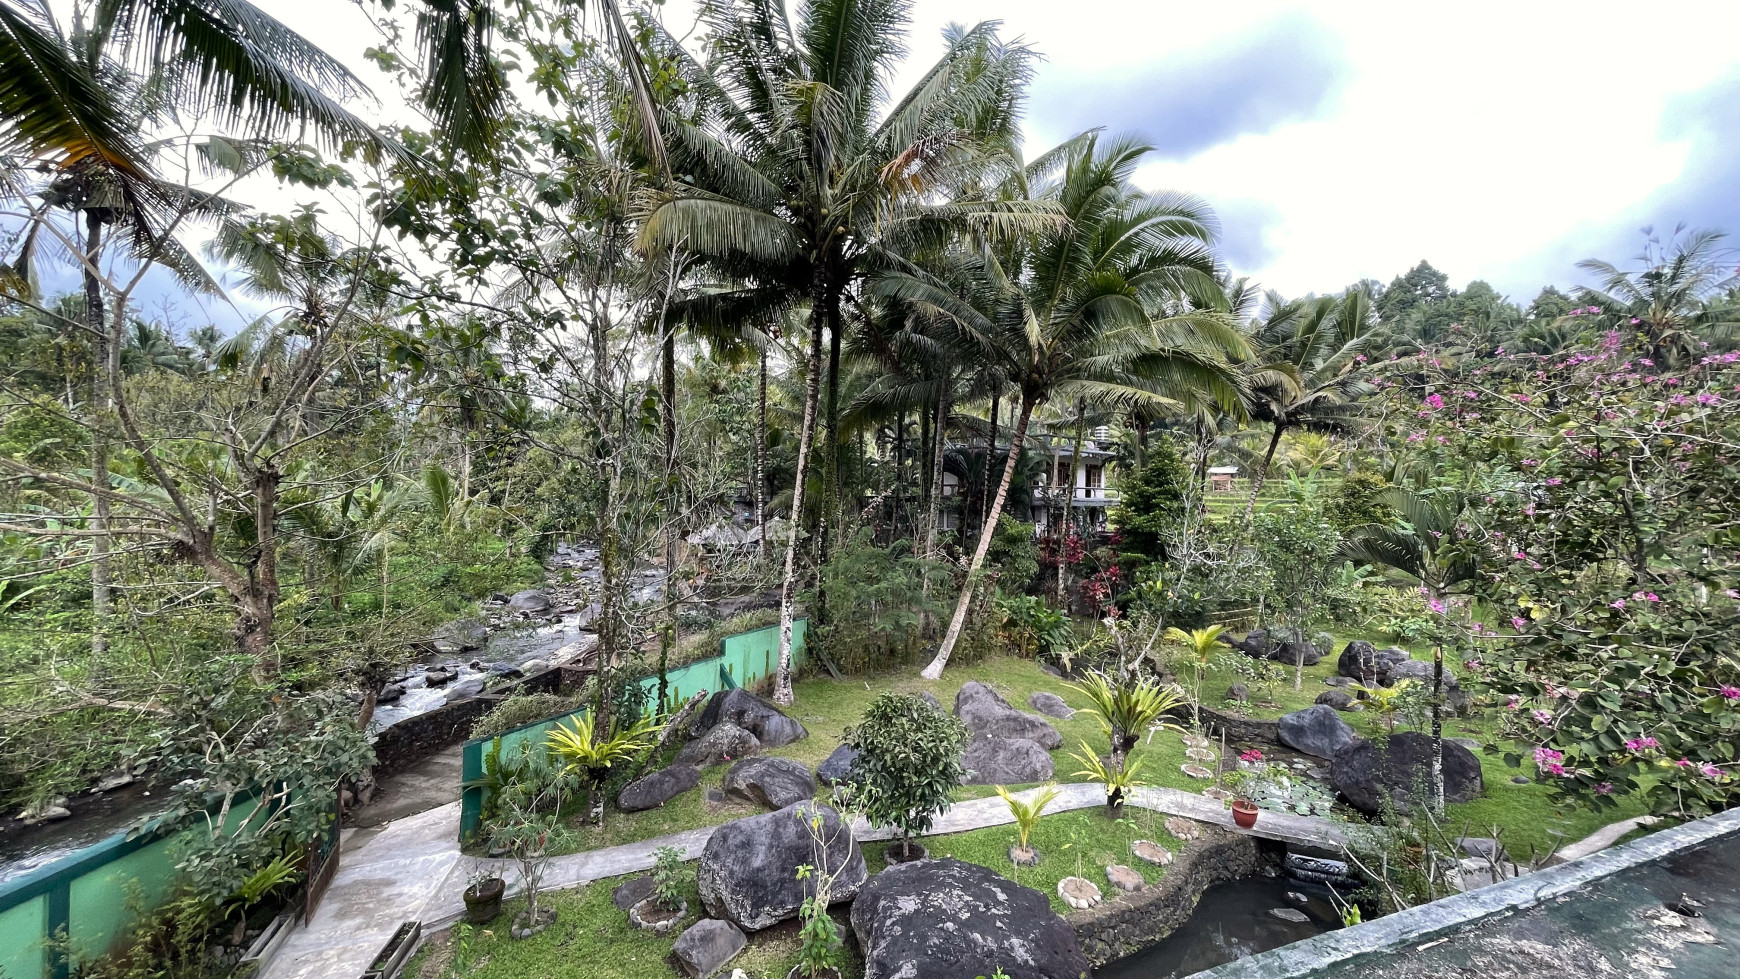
x,y
1084,496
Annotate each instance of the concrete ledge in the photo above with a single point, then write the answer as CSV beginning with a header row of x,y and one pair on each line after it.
x,y
1428,921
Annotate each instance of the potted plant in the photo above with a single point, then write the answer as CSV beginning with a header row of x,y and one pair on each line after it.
x,y
909,760
660,912
1248,783
1026,814
482,895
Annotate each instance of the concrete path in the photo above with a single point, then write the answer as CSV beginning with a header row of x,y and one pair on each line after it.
x,y
424,786
412,870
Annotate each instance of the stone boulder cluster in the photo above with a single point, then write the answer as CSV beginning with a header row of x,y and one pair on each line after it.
x,y
1282,648
1007,746
735,726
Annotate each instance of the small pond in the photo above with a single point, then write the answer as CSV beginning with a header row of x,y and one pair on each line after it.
x,y
1232,921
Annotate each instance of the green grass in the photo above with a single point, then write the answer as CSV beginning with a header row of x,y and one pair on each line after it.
x,y
1079,843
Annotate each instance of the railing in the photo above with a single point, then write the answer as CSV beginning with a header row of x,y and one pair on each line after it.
x,y
1084,496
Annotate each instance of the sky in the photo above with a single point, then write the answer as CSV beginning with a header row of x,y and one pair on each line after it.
x,y
1341,141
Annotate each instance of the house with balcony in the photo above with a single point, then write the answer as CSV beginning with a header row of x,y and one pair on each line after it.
x,y
1085,486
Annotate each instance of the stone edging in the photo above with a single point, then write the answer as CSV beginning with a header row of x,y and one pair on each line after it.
x,y
1133,922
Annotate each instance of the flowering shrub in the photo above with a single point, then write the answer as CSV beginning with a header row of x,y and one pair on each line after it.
x,y
1606,489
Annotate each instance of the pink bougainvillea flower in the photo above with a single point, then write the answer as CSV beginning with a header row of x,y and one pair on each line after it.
x,y
1683,763
1646,596
1252,755
1594,309
1544,755
1555,769
1554,481
1617,603
1436,606
1635,321
1641,744
1731,693
1518,623
1434,401
1543,717
1605,788
1709,771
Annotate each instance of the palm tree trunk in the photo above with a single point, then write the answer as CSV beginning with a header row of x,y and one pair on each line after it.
x,y
101,591
1069,505
761,460
831,467
1262,472
782,693
933,514
985,465
935,669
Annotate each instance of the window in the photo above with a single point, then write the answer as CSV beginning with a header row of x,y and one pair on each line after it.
x,y
1093,481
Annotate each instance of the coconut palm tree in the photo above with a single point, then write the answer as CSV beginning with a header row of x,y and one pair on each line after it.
x,y
1085,310
799,177
1308,371
1679,299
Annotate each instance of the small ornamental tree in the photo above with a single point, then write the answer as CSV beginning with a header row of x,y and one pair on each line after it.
x,y
1299,548
909,760
1151,505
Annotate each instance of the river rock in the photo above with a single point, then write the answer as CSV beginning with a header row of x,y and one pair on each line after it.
x,y
723,743
1294,915
1124,878
1364,774
1078,892
460,636
657,788
985,713
1005,761
390,692
706,946
772,783
1051,704
1358,661
945,919
534,666
468,687
749,712
1337,699
748,870
837,767
47,814
1282,648
440,676
531,600
1316,730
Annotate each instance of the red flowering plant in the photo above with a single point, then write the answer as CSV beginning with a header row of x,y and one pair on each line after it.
x,y
1609,487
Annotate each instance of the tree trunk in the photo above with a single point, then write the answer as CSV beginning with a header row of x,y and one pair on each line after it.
x,y
830,516
935,669
1262,472
939,429
1069,505
782,693
985,466
101,591
672,479
1436,776
761,459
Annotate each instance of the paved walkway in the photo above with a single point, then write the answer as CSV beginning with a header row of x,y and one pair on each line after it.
x,y
412,870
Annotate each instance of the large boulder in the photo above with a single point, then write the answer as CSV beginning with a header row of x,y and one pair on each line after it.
x,y
944,919
1281,647
748,870
1366,774
706,946
1050,704
531,600
1420,672
770,782
1005,761
1316,730
468,687
837,767
723,743
1387,659
1338,699
749,712
1358,662
657,788
460,636
986,714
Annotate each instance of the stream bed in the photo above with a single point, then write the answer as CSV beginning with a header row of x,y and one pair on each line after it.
x,y
1233,920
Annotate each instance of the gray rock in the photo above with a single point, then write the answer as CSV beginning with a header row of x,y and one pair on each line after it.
x,y
748,870
629,894
530,600
1520,780
468,687
1358,662
534,666
1338,681
460,636
1420,672
1282,647
113,781
1238,692
1364,774
706,946
1051,704
440,676
772,783
48,814
654,789
945,919
1483,847
1290,914
837,768
1338,699
749,712
1388,658
726,742
1005,761
1316,730
930,698
390,693
985,713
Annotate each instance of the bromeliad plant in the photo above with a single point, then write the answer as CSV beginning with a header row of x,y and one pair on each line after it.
x,y
1119,779
581,749
1128,706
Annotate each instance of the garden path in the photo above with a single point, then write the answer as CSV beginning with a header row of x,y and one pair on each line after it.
x,y
412,870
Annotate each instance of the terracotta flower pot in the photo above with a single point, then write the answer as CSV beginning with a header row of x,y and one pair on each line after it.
x,y
1244,813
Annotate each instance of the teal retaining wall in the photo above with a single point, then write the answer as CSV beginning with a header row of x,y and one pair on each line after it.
x,y
744,659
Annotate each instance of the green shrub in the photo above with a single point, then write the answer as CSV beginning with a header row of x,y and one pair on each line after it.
x,y
523,709
909,760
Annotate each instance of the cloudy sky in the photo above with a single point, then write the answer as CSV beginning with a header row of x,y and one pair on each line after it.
x,y
1340,141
